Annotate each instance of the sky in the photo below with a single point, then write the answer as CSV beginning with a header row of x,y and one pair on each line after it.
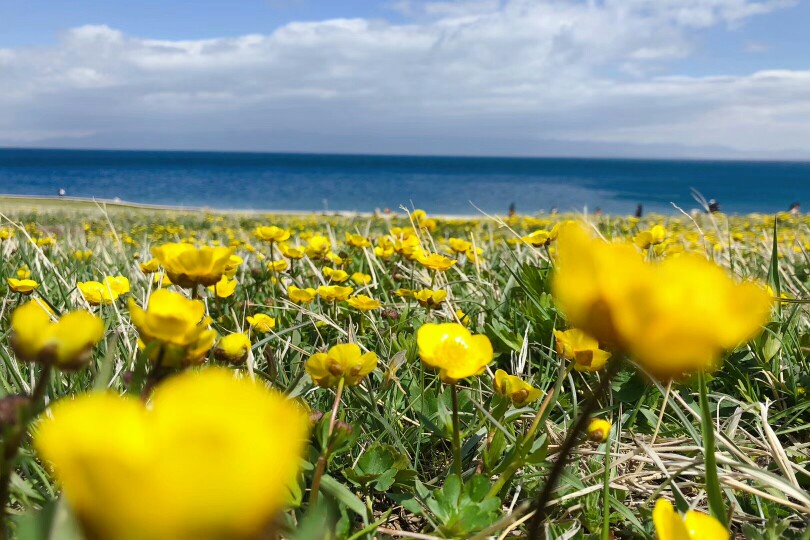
x,y
646,78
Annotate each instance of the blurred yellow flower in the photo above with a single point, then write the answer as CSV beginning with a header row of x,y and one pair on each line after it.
x,y
345,362
224,287
233,348
272,234
261,322
188,266
455,352
232,266
694,525
291,252
363,302
672,317
23,272
430,299
361,279
435,261
516,389
210,459
150,267
22,286
356,240
459,245
598,430
334,293
83,255
66,343
318,246
106,292
580,348
333,274
301,296
278,266
173,328
537,238
463,318
654,236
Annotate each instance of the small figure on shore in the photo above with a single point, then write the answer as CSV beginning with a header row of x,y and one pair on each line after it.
x,y
553,211
639,211
512,210
714,206
62,192
597,212
795,208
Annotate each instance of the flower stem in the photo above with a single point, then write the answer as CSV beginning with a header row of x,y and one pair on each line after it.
x,y
717,507
565,450
456,432
320,468
11,446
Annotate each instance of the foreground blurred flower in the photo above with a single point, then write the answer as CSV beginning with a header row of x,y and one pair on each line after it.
x,y
455,352
580,348
345,362
22,286
272,234
188,266
301,296
334,293
516,389
261,322
173,328
105,292
363,302
694,525
66,343
674,317
598,430
430,299
210,459
233,348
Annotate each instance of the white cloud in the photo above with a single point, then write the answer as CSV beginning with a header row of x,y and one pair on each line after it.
x,y
458,76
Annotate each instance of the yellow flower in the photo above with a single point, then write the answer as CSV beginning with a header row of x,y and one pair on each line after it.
x,y
189,266
173,328
538,238
232,266
519,391
150,267
132,473
162,280
363,302
301,296
334,293
459,245
341,361
336,259
672,317
463,318
105,292
361,279
404,293
23,272
272,234
408,246
384,252
654,236
233,348
451,348
598,430
580,348
45,241
224,287
278,266
291,252
430,299
435,261
22,286
356,240
85,255
65,343
338,276
318,246
261,322
694,525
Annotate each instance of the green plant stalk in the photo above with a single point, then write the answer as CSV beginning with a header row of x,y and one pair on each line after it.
x,y
565,450
606,491
717,507
456,432
324,457
11,447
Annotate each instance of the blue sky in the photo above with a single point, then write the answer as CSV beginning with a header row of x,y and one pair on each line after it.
x,y
472,76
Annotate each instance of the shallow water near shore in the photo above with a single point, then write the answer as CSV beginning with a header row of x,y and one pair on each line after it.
x,y
449,185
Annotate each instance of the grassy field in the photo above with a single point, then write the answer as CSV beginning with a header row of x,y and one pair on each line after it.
x,y
382,459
